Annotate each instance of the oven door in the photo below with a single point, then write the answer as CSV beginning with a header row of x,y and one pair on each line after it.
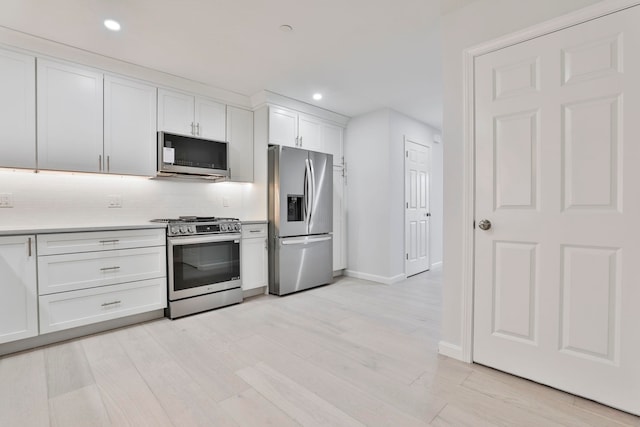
x,y
203,264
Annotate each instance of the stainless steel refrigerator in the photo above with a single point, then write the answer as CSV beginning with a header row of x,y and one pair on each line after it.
x,y
300,219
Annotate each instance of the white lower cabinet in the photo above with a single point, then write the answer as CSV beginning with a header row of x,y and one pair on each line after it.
x,y
66,310
91,277
254,257
18,288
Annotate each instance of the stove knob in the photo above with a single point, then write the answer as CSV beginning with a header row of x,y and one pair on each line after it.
x,y
183,230
224,227
237,227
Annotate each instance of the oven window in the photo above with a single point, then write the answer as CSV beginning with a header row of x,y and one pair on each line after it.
x,y
205,264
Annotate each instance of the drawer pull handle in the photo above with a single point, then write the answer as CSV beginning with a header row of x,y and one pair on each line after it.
x,y
109,241
255,231
110,268
106,304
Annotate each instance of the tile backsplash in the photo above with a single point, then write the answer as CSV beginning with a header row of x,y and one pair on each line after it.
x,y
57,198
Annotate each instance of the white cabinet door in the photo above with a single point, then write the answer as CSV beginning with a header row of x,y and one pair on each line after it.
x,y
18,288
309,133
254,256
332,142
69,117
176,112
210,119
339,222
240,138
17,110
129,127
283,127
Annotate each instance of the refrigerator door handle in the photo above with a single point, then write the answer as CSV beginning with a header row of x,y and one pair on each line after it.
x,y
305,241
313,189
307,192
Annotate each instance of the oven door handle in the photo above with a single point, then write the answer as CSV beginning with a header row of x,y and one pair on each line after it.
x,y
181,241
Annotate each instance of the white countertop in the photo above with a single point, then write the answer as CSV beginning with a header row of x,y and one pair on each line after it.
x,y
53,228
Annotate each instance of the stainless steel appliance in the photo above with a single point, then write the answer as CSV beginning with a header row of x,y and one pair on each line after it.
x,y
189,156
300,219
203,256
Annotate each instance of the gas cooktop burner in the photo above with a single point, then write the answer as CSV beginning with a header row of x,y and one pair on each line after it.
x,y
193,225
191,219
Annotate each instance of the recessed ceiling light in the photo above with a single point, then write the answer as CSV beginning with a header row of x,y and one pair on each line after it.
x,y
317,96
112,25
286,28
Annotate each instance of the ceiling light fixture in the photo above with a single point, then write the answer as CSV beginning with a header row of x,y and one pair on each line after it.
x,y
112,25
286,28
317,96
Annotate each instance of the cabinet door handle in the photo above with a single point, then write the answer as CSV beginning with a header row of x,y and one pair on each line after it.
x,y
106,304
29,244
297,141
197,129
300,141
266,244
114,268
100,162
109,241
193,125
108,163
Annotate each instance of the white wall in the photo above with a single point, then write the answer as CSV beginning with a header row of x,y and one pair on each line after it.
x,y
479,22
374,151
50,198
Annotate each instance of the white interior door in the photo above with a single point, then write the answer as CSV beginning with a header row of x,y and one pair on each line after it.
x,y
556,276
417,165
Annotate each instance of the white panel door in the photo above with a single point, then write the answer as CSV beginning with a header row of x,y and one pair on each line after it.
x,y
309,133
557,154
129,127
17,110
283,127
176,112
417,172
210,119
240,138
18,288
69,117
254,263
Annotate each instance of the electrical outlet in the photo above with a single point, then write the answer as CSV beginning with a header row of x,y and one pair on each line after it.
x,y
225,202
6,200
114,201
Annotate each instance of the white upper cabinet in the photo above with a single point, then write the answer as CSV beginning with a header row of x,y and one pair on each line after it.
x,y
187,114
332,142
129,127
70,117
283,127
309,133
210,119
240,138
17,110
293,129
18,287
176,112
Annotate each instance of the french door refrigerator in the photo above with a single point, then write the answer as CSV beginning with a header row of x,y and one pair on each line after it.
x,y
300,219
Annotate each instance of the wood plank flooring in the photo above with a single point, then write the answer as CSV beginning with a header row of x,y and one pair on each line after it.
x,y
354,353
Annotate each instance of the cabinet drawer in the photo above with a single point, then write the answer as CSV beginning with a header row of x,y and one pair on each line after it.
x,y
67,243
68,272
77,308
250,231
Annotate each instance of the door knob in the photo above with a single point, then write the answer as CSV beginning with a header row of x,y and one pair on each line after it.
x,y
484,224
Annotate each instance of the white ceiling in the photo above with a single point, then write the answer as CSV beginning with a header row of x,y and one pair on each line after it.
x,y
361,54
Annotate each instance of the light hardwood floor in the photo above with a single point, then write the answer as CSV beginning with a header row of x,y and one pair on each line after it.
x,y
353,353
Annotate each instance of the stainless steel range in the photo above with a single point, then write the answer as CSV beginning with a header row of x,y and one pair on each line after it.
x,y
203,256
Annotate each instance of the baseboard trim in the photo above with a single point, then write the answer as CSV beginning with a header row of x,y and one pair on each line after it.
x,y
436,264
450,350
375,278
261,290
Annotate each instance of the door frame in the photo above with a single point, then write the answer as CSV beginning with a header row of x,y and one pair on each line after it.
x,y
408,139
606,7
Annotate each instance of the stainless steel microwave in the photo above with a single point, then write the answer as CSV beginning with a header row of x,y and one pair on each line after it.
x,y
188,155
